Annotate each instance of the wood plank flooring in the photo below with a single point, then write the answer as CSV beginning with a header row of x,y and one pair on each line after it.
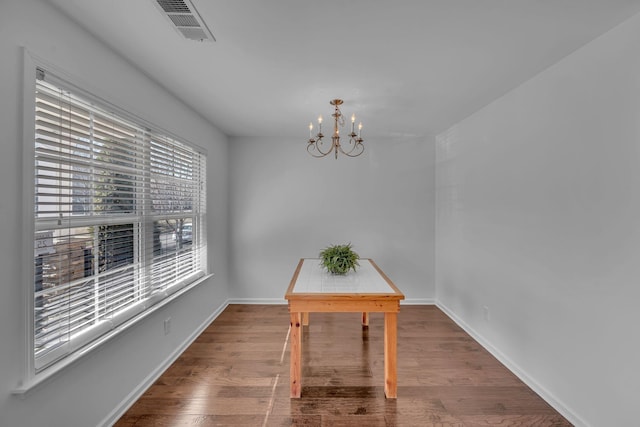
x,y
237,374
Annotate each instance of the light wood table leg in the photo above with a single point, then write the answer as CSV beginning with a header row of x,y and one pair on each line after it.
x,y
295,373
390,355
365,319
305,318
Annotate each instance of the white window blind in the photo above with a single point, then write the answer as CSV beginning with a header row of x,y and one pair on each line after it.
x,y
119,219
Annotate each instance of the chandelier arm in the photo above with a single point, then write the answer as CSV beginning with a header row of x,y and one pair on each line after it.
x,y
313,145
355,144
352,144
318,145
317,155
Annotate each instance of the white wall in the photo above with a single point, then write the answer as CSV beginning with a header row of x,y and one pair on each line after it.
x,y
86,393
538,219
286,205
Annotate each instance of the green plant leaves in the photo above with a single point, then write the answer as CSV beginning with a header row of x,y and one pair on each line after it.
x,y
339,259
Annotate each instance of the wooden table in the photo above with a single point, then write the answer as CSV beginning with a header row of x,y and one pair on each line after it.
x,y
366,290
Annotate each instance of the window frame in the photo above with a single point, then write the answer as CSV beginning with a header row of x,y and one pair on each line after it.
x,y
31,376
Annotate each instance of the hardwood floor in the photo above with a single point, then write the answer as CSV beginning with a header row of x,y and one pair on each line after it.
x,y
236,374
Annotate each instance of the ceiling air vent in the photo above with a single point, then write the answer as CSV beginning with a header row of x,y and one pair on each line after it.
x,y
185,19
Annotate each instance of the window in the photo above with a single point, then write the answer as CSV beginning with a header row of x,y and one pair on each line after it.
x,y
119,219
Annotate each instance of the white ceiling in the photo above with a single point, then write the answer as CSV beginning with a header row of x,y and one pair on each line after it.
x,y
405,67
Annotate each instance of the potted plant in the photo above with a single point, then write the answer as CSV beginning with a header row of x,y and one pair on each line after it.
x,y
339,259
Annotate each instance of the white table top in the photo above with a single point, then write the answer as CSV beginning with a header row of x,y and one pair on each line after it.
x,y
313,278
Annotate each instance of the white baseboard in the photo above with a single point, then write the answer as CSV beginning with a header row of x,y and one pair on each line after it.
x,y
136,393
517,370
256,301
411,301
418,301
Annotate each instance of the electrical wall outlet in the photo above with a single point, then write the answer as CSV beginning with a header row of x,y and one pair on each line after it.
x,y
485,313
167,325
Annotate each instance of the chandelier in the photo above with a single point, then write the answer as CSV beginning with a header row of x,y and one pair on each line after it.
x,y
352,148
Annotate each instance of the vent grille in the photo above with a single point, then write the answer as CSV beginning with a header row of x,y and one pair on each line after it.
x,y
185,19
174,6
193,33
